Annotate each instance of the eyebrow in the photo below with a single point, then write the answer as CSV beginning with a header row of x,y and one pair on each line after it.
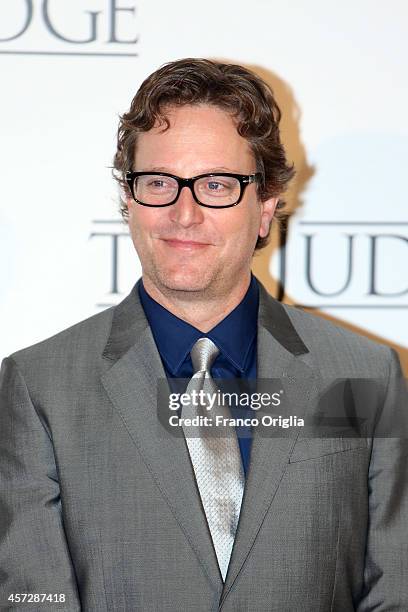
x,y
206,171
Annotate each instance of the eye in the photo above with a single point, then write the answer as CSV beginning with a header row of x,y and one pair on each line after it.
x,y
156,183
214,186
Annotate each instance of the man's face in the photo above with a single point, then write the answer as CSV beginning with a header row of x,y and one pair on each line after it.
x,y
186,247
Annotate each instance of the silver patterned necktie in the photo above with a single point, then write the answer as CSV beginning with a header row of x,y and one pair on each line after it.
x,y
216,459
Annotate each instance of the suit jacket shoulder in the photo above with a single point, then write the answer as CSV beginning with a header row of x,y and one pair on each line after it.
x,y
333,349
330,338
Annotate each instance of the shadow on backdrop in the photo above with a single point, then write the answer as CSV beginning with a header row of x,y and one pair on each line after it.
x,y
296,153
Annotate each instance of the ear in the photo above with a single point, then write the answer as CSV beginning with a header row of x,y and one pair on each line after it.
x,y
267,211
126,198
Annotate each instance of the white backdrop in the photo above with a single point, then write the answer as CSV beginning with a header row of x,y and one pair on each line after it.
x,y
68,68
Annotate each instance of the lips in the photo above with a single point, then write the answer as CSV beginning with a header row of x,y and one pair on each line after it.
x,y
184,244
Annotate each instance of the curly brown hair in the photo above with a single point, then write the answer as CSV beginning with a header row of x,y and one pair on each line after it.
x,y
233,88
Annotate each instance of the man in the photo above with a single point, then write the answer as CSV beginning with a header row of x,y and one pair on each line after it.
x,y
101,507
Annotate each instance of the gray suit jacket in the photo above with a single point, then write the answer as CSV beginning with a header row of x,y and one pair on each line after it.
x,y
98,505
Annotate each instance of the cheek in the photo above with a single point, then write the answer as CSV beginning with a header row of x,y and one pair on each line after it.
x,y
138,232
133,224
132,214
240,234
245,225
139,221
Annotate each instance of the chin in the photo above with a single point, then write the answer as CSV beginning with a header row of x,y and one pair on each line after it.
x,y
184,281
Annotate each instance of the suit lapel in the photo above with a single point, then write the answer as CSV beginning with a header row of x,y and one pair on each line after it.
x,y
281,354
131,384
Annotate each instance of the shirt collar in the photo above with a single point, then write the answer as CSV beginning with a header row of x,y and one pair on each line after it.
x,y
174,338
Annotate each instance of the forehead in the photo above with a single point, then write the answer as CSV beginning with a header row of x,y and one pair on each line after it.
x,y
200,137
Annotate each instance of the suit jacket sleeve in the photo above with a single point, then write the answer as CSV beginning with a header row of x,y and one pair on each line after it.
x,y
34,555
386,561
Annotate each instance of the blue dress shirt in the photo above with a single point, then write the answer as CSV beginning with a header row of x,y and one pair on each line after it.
x,y
235,336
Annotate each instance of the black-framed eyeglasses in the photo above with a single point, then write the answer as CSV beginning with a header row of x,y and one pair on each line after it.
x,y
213,190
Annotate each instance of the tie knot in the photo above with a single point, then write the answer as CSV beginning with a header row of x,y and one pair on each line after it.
x,y
203,355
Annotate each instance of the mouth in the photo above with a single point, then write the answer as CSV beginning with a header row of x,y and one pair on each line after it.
x,y
184,245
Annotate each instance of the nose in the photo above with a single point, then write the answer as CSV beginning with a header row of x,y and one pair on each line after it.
x,y
186,211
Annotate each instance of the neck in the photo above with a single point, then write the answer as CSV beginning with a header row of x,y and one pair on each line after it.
x,y
200,310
